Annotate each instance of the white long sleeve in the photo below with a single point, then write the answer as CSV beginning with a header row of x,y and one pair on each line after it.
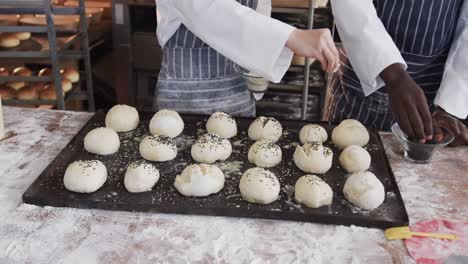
x,y
453,93
369,46
250,39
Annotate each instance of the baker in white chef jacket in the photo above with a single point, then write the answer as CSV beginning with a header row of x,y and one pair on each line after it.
x,y
406,59
203,39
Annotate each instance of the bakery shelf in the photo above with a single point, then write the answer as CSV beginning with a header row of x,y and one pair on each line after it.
x,y
25,79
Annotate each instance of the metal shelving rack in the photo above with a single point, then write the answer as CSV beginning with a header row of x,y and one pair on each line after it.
x,y
306,68
54,54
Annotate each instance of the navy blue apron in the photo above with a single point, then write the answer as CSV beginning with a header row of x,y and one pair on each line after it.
x,y
423,30
196,79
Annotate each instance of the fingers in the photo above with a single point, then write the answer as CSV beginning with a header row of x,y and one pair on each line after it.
x,y
322,61
450,124
426,117
417,124
437,132
331,59
332,47
405,125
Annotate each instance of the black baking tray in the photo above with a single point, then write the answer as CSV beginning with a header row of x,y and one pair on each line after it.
x,y
48,189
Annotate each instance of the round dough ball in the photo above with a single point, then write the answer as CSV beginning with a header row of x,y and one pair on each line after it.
x,y
265,154
200,180
102,141
364,190
265,128
140,176
313,192
222,124
313,157
258,185
350,132
210,148
85,176
355,159
158,148
122,118
312,133
166,123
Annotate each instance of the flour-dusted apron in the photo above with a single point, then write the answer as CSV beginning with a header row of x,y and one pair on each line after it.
x,y
196,79
423,30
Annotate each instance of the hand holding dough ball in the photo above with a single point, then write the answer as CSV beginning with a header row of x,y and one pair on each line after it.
x,y
102,141
364,190
158,148
85,176
313,192
312,133
355,159
350,132
8,40
166,123
265,128
200,180
210,148
265,154
140,176
313,157
71,75
258,185
122,118
222,124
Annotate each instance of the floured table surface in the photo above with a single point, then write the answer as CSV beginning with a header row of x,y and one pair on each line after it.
x,y
49,190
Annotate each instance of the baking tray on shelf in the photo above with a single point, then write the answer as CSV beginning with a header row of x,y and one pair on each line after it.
x,y
48,189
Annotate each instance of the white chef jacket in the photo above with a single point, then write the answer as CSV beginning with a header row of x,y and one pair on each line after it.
x,y
250,39
371,49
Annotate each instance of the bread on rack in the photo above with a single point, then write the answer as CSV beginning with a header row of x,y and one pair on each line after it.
x,y
66,85
22,72
71,74
45,72
4,72
6,93
29,92
48,93
9,40
23,35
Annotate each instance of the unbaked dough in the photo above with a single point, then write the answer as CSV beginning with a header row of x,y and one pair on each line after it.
x,y
311,133
166,123
222,124
258,185
140,176
364,190
102,141
265,128
122,118
158,148
313,192
85,176
265,154
210,148
355,159
313,157
350,132
199,180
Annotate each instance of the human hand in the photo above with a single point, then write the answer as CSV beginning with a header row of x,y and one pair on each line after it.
x,y
315,43
408,103
442,119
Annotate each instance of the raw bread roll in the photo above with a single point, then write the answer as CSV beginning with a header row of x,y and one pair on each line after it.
x,y
258,185
158,148
8,40
23,35
364,190
313,157
265,154
28,93
199,180
313,192
222,124
265,128
166,123
85,176
102,141
210,148
311,133
7,93
71,75
122,118
350,132
140,176
355,159
20,71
